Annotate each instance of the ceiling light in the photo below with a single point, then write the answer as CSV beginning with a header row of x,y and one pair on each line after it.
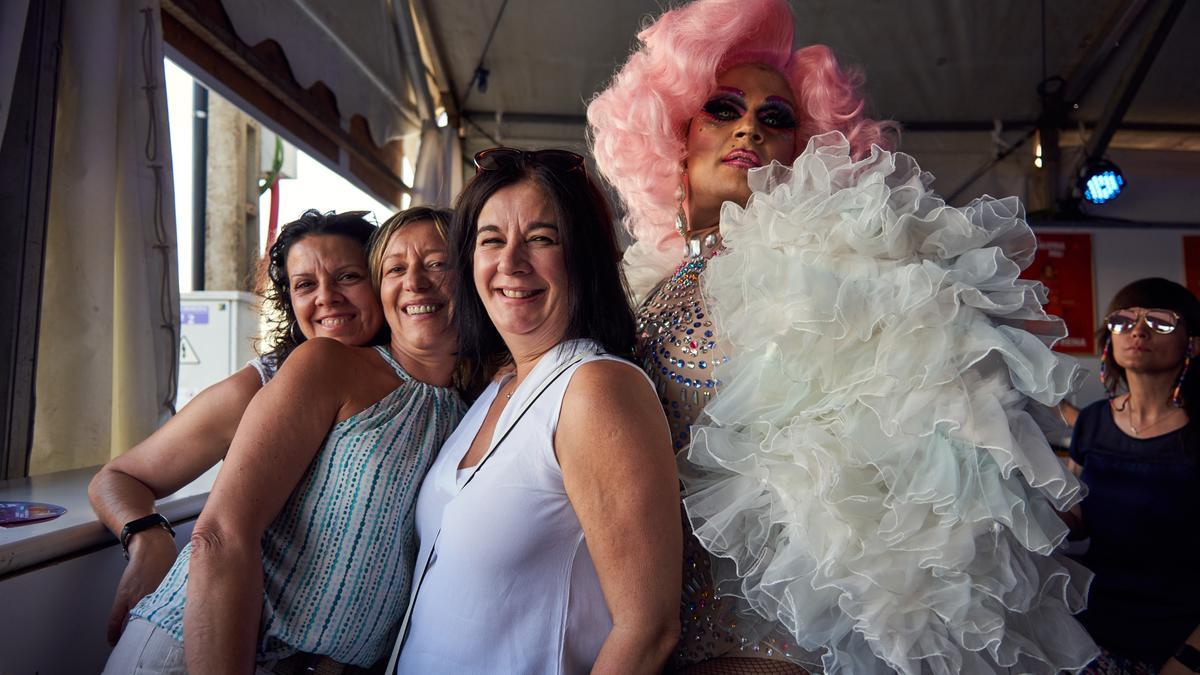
x,y
1101,182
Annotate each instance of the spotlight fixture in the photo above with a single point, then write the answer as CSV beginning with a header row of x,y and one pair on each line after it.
x,y
1101,181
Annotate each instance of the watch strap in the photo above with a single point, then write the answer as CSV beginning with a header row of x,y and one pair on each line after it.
x,y
134,526
1189,656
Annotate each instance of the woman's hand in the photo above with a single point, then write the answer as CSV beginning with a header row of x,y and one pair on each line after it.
x,y
151,554
176,454
614,448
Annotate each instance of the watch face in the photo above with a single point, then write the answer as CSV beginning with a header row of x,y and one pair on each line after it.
x,y
13,514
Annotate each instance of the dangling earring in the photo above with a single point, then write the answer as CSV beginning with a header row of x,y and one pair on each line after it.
x,y
1177,392
681,223
292,333
1104,367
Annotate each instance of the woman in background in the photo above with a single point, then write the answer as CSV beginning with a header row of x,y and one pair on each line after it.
x,y
1139,455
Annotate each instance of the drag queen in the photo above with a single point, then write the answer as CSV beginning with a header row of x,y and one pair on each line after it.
x,y
851,369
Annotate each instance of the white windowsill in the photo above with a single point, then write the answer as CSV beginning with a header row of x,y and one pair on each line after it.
x,y
79,528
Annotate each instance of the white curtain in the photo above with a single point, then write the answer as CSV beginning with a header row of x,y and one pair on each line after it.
x,y
108,343
438,176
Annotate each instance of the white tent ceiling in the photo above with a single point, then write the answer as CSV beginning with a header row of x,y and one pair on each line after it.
x,y
930,64
948,70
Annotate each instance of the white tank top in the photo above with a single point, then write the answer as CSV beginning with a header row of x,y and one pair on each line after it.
x,y
511,587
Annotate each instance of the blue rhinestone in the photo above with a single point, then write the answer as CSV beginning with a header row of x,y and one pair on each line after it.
x,y
696,325
709,383
708,333
703,364
687,382
690,331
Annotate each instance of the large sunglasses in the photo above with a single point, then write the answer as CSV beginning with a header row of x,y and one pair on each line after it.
x,y
492,159
1161,321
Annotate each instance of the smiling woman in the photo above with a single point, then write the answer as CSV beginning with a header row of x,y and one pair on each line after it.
x,y
562,555
316,286
413,278
299,561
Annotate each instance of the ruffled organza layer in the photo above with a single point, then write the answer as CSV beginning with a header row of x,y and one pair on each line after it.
x,y
872,472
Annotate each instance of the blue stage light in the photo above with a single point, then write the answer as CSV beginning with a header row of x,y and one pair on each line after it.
x,y
1102,182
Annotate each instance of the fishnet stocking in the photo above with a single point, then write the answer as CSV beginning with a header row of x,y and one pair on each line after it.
x,y
742,666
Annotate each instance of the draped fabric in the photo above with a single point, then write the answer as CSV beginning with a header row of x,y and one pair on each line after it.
x,y
108,343
439,174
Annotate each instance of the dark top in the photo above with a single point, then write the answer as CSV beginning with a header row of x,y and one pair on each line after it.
x,y
1142,510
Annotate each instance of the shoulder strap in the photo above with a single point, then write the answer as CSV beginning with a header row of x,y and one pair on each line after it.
x,y
424,566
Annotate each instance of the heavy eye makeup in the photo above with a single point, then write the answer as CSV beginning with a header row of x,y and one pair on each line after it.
x,y
777,114
729,104
726,105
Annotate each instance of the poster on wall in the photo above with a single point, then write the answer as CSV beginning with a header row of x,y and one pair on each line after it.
x,y
1191,262
1064,264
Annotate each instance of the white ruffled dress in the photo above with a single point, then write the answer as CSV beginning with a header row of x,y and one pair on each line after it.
x,y
871,472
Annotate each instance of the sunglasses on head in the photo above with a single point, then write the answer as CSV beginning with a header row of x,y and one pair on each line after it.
x,y
1161,321
501,158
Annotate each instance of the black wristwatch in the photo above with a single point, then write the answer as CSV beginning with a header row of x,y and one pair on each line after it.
x,y
1189,656
134,526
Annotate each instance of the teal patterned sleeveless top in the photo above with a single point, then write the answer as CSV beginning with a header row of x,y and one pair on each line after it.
x,y
338,559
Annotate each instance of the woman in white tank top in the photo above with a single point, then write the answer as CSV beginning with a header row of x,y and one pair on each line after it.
x,y
549,524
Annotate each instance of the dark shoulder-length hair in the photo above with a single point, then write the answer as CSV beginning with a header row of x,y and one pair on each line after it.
x,y
1153,293
597,302
283,332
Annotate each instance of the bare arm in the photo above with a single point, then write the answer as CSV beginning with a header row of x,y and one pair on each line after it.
x,y
1173,666
283,428
614,448
125,489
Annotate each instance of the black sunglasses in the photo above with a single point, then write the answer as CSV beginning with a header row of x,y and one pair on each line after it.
x,y
501,158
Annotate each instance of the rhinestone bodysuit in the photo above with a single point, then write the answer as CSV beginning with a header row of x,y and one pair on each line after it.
x,y
678,347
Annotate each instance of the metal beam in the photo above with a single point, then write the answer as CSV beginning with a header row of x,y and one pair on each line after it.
x,y
1160,23
526,118
441,74
489,117
1091,63
410,51
26,153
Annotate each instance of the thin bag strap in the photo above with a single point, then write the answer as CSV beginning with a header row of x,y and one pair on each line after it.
x,y
412,598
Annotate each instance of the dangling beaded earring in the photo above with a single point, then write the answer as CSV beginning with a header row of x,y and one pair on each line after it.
x,y
1104,366
1177,392
681,223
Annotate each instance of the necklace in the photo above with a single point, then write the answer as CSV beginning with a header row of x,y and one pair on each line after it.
x,y
1128,408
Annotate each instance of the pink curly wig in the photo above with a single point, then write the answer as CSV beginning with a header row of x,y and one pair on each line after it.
x,y
639,123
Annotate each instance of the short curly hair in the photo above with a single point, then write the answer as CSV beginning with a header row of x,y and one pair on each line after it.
x,y
283,331
638,124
